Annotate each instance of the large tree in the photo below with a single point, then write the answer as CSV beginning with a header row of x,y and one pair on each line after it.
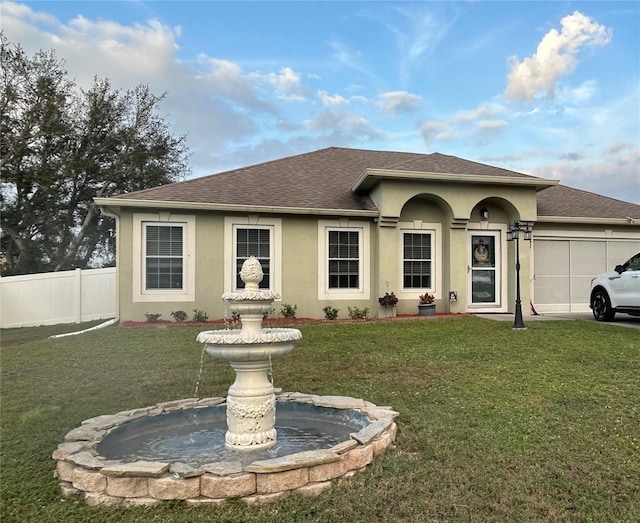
x,y
62,146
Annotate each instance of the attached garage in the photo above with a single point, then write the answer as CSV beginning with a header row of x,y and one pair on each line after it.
x,y
564,268
577,236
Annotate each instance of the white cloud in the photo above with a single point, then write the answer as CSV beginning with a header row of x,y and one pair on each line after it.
x,y
351,58
213,101
482,112
621,147
491,125
328,100
126,55
225,80
475,124
578,95
345,54
17,12
287,84
345,125
431,131
555,57
395,102
616,178
419,35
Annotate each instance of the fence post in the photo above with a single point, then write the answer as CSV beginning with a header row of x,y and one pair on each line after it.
x,y
77,297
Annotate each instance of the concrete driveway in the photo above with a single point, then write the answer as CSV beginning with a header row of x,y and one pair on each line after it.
x,y
621,320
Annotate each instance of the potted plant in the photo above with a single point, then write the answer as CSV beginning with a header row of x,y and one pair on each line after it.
x,y
388,300
426,305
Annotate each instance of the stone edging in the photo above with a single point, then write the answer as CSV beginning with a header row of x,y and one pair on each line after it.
x,y
81,470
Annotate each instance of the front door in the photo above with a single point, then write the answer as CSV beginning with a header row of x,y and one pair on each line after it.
x,y
484,270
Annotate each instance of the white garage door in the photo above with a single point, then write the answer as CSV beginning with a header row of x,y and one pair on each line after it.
x,y
563,270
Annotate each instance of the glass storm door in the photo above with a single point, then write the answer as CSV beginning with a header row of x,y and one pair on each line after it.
x,y
484,269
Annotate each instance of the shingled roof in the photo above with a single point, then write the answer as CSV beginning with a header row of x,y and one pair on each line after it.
x,y
562,201
324,179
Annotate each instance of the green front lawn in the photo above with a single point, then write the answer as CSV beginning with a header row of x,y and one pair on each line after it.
x,y
26,334
495,424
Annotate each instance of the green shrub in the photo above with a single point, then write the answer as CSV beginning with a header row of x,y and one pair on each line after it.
x,y
152,317
288,311
356,313
179,315
268,313
388,300
330,312
200,315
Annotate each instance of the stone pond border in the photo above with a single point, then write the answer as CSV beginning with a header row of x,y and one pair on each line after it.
x,y
81,470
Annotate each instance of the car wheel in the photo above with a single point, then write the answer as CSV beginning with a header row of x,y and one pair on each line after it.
x,y
601,306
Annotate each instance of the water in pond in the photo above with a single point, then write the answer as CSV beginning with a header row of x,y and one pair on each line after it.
x,y
196,436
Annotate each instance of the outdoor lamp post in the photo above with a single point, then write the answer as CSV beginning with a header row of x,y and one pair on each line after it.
x,y
513,234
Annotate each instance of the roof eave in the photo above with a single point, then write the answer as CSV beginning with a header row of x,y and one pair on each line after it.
x,y
371,177
585,220
197,206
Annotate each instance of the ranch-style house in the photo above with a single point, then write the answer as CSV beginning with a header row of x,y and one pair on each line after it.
x,y
342,227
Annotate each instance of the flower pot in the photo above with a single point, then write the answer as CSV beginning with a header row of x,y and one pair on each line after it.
x,y
426,309
389,311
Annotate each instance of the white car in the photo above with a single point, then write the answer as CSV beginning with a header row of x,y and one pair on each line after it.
x,y
617,291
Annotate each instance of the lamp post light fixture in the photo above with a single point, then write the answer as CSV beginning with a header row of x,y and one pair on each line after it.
x,y
513,234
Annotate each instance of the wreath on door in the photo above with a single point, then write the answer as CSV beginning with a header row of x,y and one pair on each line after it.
x,y
481,253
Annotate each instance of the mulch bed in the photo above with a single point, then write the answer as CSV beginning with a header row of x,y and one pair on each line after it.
x,y
277,322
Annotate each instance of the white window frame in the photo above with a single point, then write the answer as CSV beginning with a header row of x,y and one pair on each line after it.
x,y
139,291
364,246
431,260
231,224
269,228
419,227
147,257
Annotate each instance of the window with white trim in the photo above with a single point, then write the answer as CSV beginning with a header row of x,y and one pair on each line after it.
x,y
260,236
344,259
417,260
163,256
253,242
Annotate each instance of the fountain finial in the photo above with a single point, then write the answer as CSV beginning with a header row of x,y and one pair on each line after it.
x,y
251,273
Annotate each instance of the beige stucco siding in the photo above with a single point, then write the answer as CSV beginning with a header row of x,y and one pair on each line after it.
x,y
124,264
300,263
302,267
207,265
295,260
210,253
455,207
391,196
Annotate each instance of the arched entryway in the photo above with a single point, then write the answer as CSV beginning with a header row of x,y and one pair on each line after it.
x,y
489,259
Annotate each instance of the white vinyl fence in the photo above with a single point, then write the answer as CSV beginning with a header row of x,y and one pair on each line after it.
x,y
57,297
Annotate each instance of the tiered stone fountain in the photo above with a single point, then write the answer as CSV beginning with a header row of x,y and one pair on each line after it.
x,y
178,450
251,402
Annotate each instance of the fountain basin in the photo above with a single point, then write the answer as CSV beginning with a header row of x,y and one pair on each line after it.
x,y
240,345
238,336
112,473
196,436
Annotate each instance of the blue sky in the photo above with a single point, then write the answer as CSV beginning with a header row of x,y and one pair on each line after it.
x,y
544,88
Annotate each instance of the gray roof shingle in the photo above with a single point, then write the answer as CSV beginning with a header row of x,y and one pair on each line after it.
x,y
324,179
563,201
